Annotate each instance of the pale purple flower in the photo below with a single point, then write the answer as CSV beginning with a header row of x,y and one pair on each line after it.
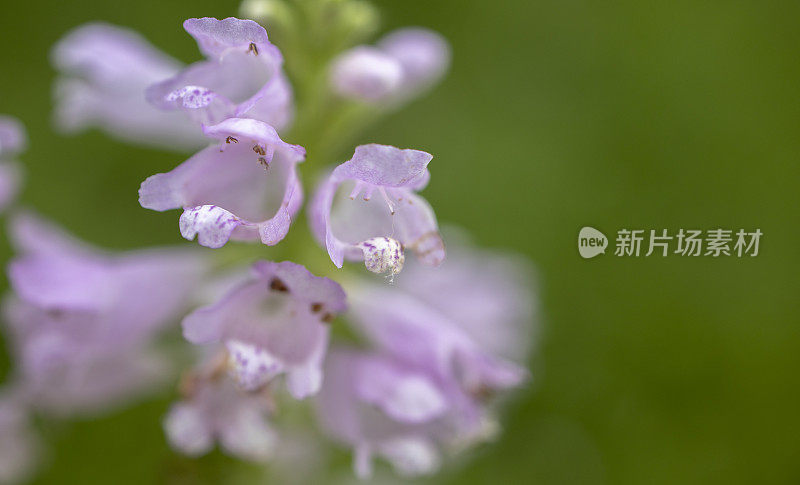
x,y
12,137
82,320
423,53
444,341
383,408
12,142
366,72
214,409
241,77
18,443
246,188
104,73
274,323
468,321
403,63
368,209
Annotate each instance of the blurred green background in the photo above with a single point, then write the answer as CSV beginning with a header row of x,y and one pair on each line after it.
x,y
556,114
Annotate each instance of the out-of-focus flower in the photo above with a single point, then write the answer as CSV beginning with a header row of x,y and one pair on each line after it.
x,y
381,407
104,73
387,219
214,409
12,142
468,321
402,64
366,73
246,188
82,320
18,444
445,341
241,77
275,323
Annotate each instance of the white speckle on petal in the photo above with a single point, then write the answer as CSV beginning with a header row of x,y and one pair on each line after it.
x,y
383,255
251,366
192,97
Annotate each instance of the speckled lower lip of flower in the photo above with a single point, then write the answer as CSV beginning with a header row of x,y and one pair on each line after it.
x,y
245,188
274,323
354,225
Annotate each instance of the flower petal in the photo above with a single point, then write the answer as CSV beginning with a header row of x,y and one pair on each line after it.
x,y
12,137
229,193
104,72
386,166
403,395
211,224
251,366
187,430
366,73
215,37
423,54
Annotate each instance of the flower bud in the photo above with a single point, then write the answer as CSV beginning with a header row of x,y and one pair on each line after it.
x,y
271,14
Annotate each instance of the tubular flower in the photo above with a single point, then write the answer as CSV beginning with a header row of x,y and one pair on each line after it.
x,y
12,142
381,407
82,320
445,341
403,64
368,209
467,321
274,323
104,71
241,77
213,409
246,188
